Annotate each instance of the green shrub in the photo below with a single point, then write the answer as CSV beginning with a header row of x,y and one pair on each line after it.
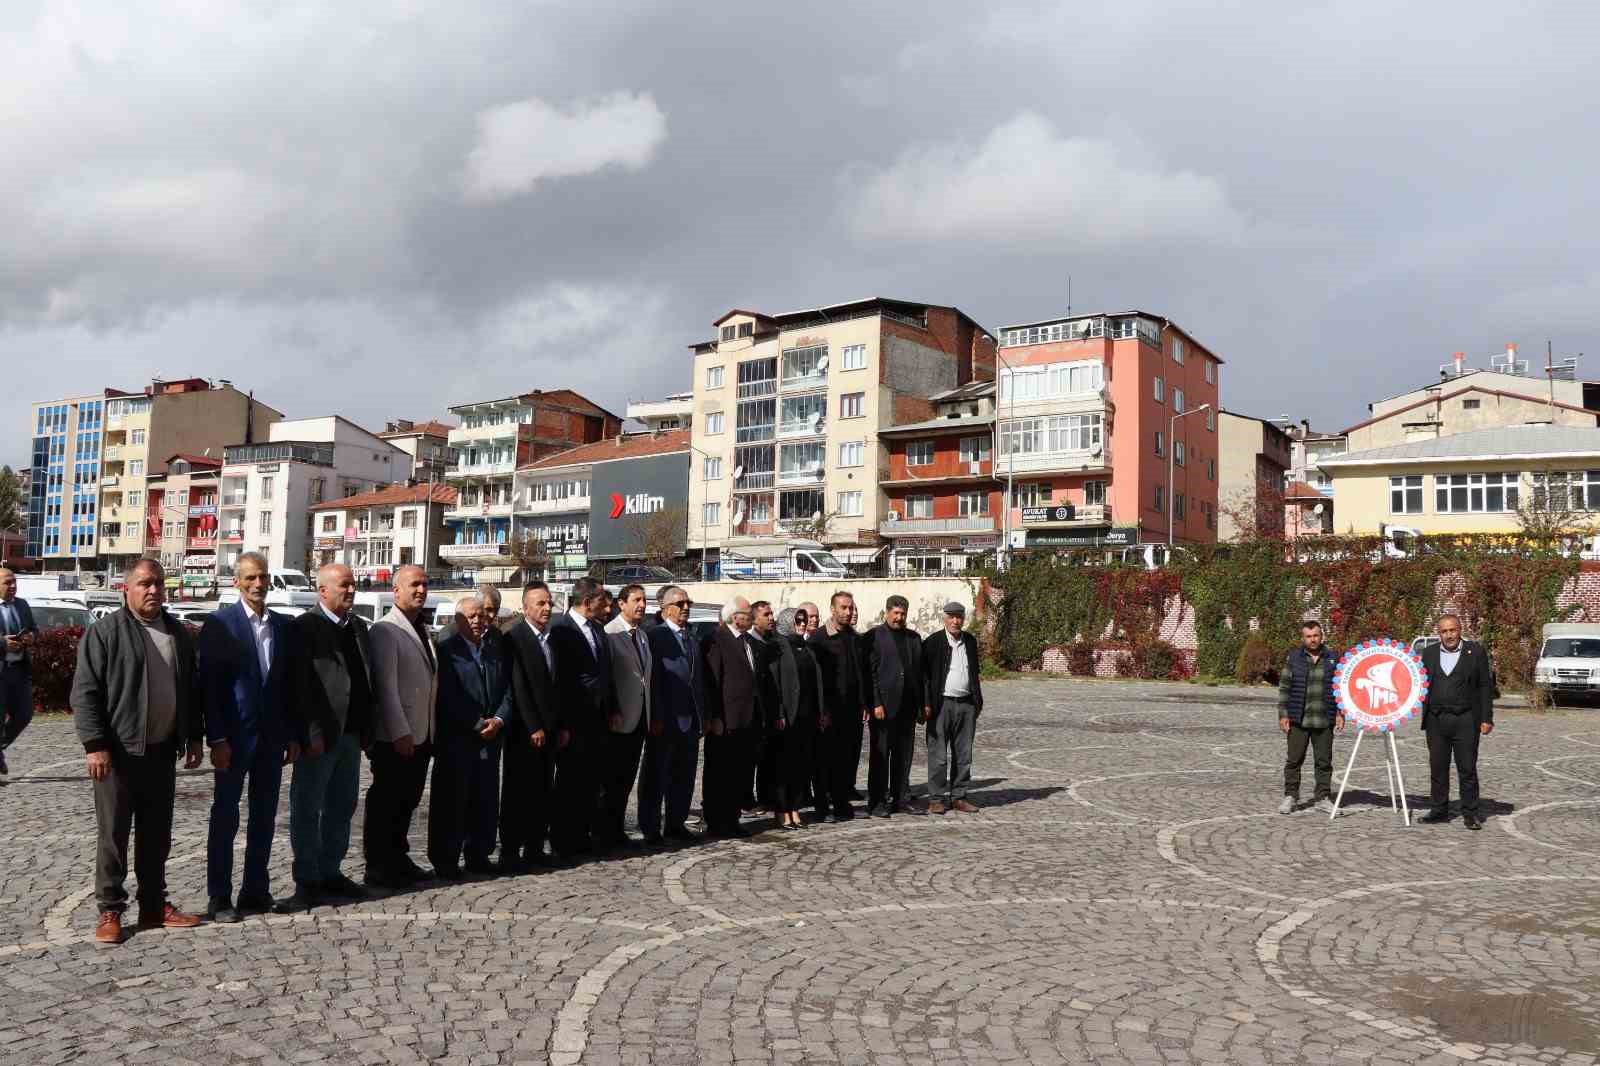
x,y
1255,662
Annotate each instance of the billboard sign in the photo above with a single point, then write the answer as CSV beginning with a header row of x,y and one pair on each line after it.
x,y
632,501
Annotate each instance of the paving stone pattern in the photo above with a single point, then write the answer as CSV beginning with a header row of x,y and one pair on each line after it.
x,y
1127,895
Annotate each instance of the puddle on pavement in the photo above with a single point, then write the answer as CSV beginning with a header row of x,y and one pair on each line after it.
x,y
1467,1013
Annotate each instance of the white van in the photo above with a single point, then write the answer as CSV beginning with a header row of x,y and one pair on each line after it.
x,y
1569,660
286,588
764,559
373,606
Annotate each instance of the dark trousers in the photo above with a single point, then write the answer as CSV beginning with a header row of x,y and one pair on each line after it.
x,y
577,794
767,757
619,768
322,802
525,800
950,734
16,703
1320,741
1453,735
138,795
855,738
795,750
262,772
667,778
833,763
464,805
392,799
889,769
730,761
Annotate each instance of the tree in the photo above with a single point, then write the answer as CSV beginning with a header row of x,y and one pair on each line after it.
x,y
1251,516
811,529
530,554
1552,514
13,507
660,536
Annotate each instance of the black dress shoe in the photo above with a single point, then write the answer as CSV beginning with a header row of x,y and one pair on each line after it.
x,y
305,897
256,904
221,910
1435,817
1472,821
340,887
880,810
844,814
413,873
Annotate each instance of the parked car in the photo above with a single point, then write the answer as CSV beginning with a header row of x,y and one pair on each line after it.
x,y
1569,660
59,614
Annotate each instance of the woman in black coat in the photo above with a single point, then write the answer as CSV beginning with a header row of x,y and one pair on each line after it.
x,y
794,728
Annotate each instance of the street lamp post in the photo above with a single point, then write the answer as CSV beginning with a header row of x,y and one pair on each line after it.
x,y
728,502
1172,457
1004,555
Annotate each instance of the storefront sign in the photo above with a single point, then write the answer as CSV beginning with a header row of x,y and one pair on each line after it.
x,y
267,468
324,543
627,496
980,543
1120,537
201,509
1060,513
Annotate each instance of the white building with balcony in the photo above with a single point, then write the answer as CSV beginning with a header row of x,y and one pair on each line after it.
x,y
376,533
671,412
268,489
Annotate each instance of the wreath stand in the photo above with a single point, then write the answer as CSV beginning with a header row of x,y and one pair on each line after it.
x,y
1397,784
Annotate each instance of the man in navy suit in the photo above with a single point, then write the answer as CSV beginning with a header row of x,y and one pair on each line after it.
x,y
474,706
672,748
17,632
589,699
246,677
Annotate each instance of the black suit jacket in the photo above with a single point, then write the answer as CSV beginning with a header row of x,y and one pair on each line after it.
x,y
466,695
322,684
588,698
1478,677
534,695
675,686
731,686
892,680
936,667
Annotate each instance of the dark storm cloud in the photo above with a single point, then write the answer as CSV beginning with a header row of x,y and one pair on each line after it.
x,y
483,197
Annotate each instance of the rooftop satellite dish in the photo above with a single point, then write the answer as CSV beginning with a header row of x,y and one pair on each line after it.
x,y
822,363
738,517
1317,509
738,472
816,516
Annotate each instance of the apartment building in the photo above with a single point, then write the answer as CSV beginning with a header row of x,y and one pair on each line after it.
x,y
1254,461
942,498
670,412
788,409
64,483
269,488
1092,408
620,498
375,533
428,444
494,438
182,520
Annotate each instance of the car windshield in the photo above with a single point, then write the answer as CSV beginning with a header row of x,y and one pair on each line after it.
x,y
1572,648
295,581
57,617
826,561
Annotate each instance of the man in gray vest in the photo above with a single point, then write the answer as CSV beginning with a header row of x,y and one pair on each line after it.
x,y
1458,710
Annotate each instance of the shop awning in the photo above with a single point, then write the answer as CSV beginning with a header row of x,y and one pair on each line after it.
x,y
857,556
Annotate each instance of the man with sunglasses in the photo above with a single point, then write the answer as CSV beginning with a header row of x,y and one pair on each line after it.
x,y
672,744
1457,712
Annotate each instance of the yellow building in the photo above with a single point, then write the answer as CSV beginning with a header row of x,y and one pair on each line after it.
x,y
1465,483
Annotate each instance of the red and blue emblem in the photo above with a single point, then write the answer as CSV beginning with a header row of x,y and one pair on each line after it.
x,y
1379,684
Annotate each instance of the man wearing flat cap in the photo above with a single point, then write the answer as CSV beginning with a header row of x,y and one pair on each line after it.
x,y
953,700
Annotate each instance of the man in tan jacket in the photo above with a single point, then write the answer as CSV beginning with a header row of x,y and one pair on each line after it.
x,y
405,672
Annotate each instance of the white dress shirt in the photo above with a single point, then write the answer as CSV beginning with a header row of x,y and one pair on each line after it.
x,y
744,639
1448,659
543,636
335,619
958,681
261,630
583,627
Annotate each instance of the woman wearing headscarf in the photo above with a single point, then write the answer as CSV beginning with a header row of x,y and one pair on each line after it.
x,y
794,728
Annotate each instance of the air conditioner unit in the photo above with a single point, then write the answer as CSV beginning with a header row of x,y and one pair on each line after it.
x,y
894,516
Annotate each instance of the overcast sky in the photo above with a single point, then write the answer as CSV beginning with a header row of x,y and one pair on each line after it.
x,y
381,208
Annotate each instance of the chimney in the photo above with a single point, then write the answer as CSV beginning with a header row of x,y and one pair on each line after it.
x,y
1458,358
1511,358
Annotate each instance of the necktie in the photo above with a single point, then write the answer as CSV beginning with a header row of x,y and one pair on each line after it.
x,y
638,650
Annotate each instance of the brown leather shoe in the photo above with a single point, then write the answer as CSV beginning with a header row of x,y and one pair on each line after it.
x,y
964,807
169,918
108,930
935,807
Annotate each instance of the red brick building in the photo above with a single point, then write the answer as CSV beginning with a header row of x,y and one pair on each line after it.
x,y
943,501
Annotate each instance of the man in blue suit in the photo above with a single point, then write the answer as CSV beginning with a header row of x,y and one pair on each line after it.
x,y
474,706
17,632
246,677
672,747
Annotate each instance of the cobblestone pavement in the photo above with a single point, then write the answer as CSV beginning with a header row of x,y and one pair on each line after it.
x,y
1126,895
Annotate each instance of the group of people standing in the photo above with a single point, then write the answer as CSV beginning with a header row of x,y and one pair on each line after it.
x,y
575,706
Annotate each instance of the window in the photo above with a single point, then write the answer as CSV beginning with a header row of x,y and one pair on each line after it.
x,y
853,405
1211,420
266,486
135,498
975,449
1211,517
713,468
711,514
1471,405
1074,433
136,436
408,520
919,453
761,508
330,523
1094,493
135,467
799,506
1177,400
1161,498
265,524
1177,506
853,357
1161,443
1211,470
1177,452
1177,350
972,504
1466,493
713,377
850,503
801,416
1577,489
919,506
1032,494
713,423
747,329
800,462
727,333
1211,372
1405,494
852,453
803,366
1022,436
1160,388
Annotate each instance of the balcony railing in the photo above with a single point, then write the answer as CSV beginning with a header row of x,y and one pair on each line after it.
x,y
803,476
496,469
232,500
817,379
751,389
113,453
204,543
964,524
751,434
480,510
754,480
232,536
803,427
